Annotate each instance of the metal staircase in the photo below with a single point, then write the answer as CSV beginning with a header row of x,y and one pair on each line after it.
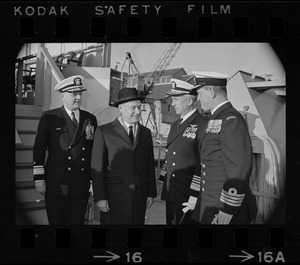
x,y
29,203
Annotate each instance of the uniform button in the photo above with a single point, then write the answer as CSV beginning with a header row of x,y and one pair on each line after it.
x,y
202,189
69,168
82,169
174,153
82,159
69,157
203,181
173,164
203,165
204,174
173,175
166,150
83,148
69,147
166,161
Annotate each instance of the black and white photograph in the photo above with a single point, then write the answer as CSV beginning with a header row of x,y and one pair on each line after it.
x,y
160,133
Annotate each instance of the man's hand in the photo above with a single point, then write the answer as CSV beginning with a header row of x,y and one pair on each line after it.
x,y
190,205
40,186
150,201
222,218
103,205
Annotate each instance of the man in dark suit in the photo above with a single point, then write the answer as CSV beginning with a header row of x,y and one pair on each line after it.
x,y
123,169
182,156
226,158
66,134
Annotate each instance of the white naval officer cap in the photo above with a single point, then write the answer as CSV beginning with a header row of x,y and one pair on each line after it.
x,y
71,84
209,79
180,88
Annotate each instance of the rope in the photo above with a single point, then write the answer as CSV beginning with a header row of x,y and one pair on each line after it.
x,y
268,182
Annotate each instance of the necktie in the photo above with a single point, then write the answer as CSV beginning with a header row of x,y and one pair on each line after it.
x,y
131,134
74,119
179,121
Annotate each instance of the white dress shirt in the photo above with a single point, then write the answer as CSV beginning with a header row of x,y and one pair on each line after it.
x,y
187,115
76,112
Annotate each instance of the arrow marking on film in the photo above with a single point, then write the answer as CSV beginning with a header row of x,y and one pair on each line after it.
x,y
112,257
246,257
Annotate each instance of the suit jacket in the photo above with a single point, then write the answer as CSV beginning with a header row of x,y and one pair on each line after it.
x,y
182,158
122,173
67,167
226,160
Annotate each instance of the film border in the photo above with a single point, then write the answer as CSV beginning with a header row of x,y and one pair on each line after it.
x,y
274,22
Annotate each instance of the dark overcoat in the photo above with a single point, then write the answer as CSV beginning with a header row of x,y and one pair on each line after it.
x,y
182,158
226,160
62,154
122,173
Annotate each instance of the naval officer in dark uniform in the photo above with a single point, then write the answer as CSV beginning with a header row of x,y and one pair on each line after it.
x,y
226,158
182,156
65,136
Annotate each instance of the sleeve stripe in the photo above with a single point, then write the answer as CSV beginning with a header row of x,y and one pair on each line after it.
x,y
196,181
195,187
196,177
38,170
195,184
233,195
234,204
232,199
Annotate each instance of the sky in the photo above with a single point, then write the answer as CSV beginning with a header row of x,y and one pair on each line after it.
x,y
225,58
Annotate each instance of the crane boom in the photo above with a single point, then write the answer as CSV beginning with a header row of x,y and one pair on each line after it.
x,y
133,72
131,65
162,63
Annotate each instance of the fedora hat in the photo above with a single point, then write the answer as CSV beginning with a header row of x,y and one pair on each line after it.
x,y
128,94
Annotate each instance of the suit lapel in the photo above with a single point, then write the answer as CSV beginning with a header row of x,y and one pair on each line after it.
x,y
138,134
120,130
175,132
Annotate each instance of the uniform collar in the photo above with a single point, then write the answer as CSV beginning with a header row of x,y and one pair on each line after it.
x,y
218,106
187,115
76,112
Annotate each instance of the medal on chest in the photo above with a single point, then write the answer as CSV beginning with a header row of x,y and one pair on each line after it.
x,y
190,132
89,131
214,126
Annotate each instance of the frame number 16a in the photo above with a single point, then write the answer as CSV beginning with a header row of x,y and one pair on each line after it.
x,y
268,257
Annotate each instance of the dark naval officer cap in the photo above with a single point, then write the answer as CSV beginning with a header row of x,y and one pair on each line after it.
x,y
209,79
71,84
180,88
